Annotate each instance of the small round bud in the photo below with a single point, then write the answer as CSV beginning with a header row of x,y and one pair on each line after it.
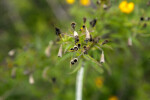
x,y
73,25
84,20
98,2
79,45
71,49
53,79
142,18
72,62
93,22
75,48
58,32
75,60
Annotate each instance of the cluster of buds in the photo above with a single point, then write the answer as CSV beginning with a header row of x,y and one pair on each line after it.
x,y
84,40
104,3
144,20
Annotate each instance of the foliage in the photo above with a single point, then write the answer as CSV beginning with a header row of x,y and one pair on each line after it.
x,y
123,76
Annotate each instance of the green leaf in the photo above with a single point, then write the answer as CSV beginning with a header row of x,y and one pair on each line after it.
x,y
88,57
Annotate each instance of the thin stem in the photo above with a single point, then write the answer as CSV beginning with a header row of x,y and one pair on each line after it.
x,y
79,82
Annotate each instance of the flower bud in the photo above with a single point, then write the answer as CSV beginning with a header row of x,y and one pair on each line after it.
x,y
13,73
11,52
75,48
93,22
60,51
84,20
87,35
58,32
72,62
75,60
129,41
48,49
75,34
102,60
73,25
31,79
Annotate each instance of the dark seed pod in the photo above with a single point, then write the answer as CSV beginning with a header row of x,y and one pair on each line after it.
x,y
142,18
84,47
148,3
93,22
84,19
58,32
73,25
83,26
76,40
91,39
85,52
106,41
75,60
145,25
79,45
98,2
53,79
148,18
96,40
71,49
72,62
75,48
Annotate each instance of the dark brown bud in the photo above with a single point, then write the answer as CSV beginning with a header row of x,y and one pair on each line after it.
x,y
84,47
106,41
73,25
98,2
91,39
148,3
71,49
84,19
83,26
96,40
76,40
79,45
58,32
75,60
93,22
53,79
85,52
75,48
142,18
72,62
145,25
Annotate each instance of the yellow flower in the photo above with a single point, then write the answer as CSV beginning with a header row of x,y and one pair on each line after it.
x,y
113,98
99,82
70,1
126,7
85,2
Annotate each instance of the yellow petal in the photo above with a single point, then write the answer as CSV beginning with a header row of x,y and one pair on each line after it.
x,y
70,1
131,6
85,2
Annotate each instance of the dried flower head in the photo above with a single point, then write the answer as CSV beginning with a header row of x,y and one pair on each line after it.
x,y
93,22
58,32
84,20
73,25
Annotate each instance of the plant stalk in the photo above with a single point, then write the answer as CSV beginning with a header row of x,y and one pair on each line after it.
x,y
79,83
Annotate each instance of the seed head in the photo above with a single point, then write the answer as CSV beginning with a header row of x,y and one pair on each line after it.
x,y
73,25
93,22
58,32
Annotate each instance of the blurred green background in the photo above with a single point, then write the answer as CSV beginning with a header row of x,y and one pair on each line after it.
x,y
27,26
